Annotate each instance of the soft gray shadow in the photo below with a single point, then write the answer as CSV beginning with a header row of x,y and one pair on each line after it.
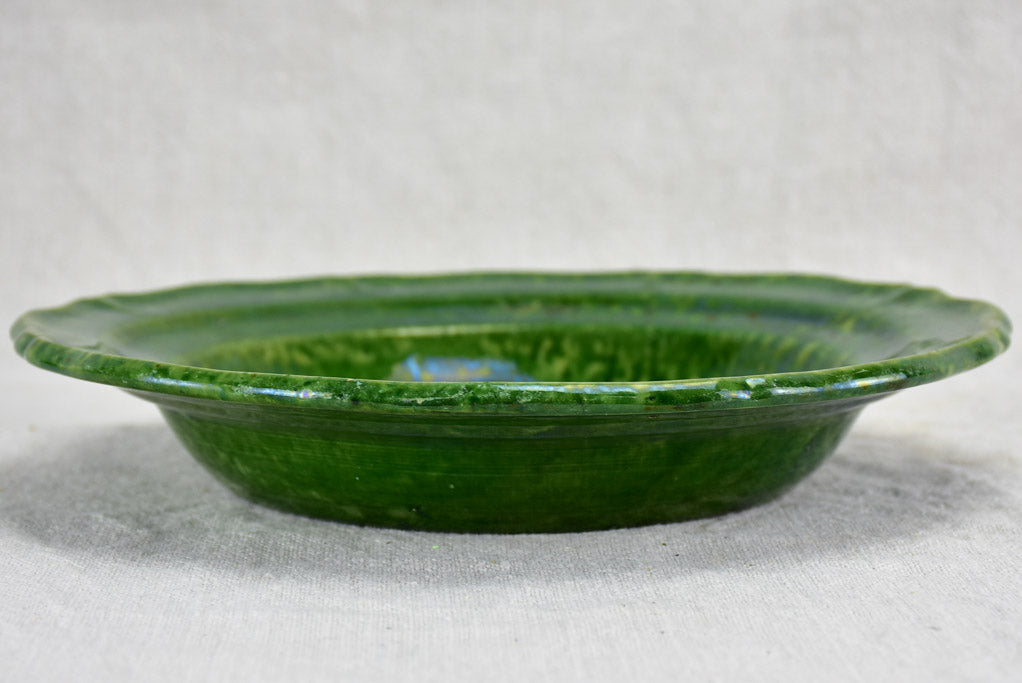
x,y
132,494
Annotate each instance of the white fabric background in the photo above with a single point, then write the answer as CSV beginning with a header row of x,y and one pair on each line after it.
x,y
150,144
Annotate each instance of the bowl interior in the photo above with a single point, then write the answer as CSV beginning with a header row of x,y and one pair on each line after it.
x,y
537,337
541,353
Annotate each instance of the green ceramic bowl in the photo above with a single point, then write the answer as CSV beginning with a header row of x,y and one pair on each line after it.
x,y
515,402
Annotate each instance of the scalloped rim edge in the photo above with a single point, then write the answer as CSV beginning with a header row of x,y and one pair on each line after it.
x,y
308,391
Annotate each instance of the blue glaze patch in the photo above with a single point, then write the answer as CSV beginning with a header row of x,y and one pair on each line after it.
x,y
444,369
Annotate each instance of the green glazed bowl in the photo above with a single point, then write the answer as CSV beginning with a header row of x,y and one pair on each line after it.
x,y
515,402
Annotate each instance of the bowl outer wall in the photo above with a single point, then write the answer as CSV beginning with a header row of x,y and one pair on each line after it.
x,y
511,474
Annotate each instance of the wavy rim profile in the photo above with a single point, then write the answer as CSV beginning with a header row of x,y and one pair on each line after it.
x,y
40,338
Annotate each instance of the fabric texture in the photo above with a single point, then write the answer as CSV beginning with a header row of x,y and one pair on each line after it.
x,y
151,145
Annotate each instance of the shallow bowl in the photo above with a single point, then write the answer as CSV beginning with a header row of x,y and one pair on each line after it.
x,y
515,402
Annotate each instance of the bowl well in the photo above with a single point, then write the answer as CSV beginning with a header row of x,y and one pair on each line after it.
x,y
515,402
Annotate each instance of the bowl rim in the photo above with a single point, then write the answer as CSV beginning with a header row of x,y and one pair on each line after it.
x,y
37,337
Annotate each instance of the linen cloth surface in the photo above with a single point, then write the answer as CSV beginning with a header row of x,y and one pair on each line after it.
x,y
146,145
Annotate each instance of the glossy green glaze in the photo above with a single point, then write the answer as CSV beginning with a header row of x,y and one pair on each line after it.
x,y
515,402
